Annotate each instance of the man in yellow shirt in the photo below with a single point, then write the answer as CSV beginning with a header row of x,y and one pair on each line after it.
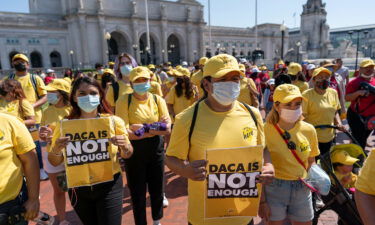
x,y
197,76
33,87
365,190
220,122
17,159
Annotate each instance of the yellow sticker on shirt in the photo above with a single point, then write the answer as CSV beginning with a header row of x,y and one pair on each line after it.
x,y
231,187
88,154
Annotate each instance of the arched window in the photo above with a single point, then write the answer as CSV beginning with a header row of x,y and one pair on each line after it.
x,y
55,58
36,60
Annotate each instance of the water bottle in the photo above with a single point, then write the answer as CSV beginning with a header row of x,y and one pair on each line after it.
x,y
44,219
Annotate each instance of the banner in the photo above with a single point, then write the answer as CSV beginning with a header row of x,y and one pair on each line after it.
x,y
88,153
231,188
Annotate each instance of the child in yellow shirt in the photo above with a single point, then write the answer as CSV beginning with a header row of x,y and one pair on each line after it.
x,y
343,166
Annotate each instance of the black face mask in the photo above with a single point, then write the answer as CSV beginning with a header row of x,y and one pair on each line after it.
x,y
324,84
293,78
2,92
197,67
179,80
20,67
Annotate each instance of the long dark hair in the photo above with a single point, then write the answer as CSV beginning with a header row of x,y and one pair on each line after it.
x,y
299,76
14,89
76,111
184,83
65,97
107,78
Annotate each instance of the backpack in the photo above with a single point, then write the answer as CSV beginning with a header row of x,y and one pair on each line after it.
x,y
33,82
116,90
192,125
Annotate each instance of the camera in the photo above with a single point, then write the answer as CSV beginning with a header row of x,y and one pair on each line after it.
x,y
368,87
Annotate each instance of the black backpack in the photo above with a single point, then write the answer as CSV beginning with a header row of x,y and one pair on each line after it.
x,y
33,82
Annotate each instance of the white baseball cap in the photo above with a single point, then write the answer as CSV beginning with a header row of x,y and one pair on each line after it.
x,y
184,63
310,67
50,71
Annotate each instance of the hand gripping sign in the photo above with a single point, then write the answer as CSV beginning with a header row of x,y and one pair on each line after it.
x,y
231,188
89,152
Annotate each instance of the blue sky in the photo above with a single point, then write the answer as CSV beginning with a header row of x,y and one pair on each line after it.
x,y
240,13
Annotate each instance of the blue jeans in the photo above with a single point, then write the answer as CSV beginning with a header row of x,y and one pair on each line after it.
x,y
289,198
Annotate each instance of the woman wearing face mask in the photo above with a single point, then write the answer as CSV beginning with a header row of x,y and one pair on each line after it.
x,y
297,77
13,101
182,95
99,203
147,119
171,81
220,120
58,98
322,108
287,196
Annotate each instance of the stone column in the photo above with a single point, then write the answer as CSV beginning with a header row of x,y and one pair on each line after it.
x,y
189,43
103,41
164,40
136,39
84,43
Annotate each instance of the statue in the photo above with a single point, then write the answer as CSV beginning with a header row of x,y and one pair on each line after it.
x,y
163,12
134,8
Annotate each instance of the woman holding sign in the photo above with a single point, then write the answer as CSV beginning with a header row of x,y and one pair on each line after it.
x,y
219,121
293,145
88,143
147,119
59,107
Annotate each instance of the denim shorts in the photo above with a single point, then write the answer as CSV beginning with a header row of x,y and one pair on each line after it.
x,y
289,198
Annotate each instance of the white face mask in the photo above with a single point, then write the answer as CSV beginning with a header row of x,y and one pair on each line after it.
x,y
291,115
366,77
226,93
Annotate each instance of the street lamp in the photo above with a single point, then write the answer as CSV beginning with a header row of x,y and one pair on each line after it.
x,y
107,36
298,44
163,53
71,52
217,49
135,47
282,29
195,54
356,54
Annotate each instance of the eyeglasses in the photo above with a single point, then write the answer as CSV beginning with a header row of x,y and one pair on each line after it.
x,y
291,145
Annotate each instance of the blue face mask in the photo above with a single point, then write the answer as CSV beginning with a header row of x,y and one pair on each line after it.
x,y
226,93
52,98
88,103
125,70
141,88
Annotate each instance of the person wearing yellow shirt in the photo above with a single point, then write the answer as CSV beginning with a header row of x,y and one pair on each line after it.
x,y
13,102
342,164
365,190
220,120
147,119
322,108
87,102
155,88
59,107
33,87
154,76
99,68
166,87
17,160
248,93
287,196
197,77
182,95
297,77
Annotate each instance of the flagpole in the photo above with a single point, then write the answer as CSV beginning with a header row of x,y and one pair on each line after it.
x,y
148,47
209,24
256,24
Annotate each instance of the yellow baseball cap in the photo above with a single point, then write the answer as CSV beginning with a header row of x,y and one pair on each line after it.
x,y
20,56
58,85
281,62
320,70
203,60
242,67
263,68
178,67
366,63
139,72
286,93
151,66
109,71
220,65
183,72
111,63
294,68
343,157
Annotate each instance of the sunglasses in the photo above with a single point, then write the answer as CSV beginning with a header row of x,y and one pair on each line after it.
x,y
291,145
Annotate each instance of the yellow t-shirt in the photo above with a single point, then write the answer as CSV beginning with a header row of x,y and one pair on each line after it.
x,y
117,129
179,103
321,110
124,88
156,89
196,80
245,92
139,112
30,94
365,182
303,86
166,88
68,79
231,129
13,108
156,78
353,179
53,115
15,140
286,165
